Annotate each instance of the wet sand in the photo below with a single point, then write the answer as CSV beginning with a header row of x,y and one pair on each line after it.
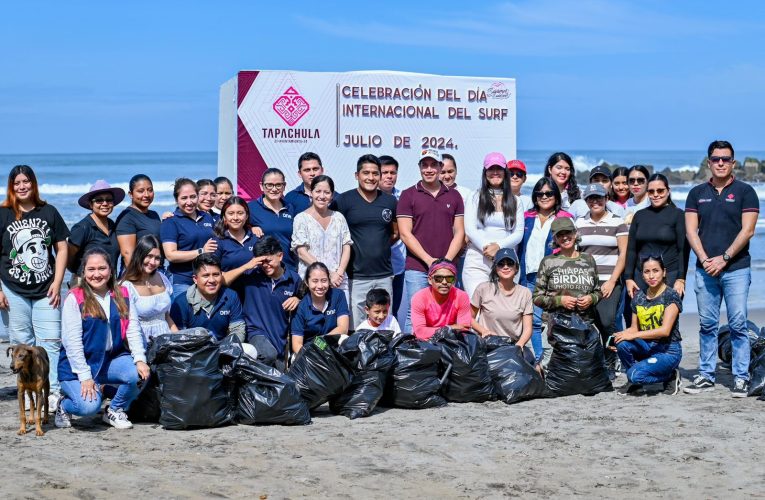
x,y
608,445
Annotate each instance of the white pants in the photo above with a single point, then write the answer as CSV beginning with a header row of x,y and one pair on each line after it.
x,y
475,270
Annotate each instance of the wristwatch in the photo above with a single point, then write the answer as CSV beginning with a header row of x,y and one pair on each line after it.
x,y
200,251
726,257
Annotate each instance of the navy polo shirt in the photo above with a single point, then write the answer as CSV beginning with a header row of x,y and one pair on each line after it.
x,y
720,218
309,322
263,298
188,234
232,253
299,200
278,225
226,311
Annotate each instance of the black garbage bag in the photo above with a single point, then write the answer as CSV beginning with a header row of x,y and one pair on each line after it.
x,y
515,379
264,395
414,381
469,380
319,371
146,407
724,348
577,365
370,356
193,391
757,375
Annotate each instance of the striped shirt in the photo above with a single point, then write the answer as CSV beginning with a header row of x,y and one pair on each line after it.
x,y
599,239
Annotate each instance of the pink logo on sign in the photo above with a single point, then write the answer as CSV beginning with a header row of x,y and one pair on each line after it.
x,y
291,106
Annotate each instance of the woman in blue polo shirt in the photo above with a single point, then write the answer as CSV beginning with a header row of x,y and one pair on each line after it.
x,y
323,311
186,235
235,241
271,215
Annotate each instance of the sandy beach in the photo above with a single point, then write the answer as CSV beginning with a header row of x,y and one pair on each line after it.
x,y
704,446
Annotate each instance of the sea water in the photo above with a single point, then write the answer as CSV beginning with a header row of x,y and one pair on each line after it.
x,y
63,178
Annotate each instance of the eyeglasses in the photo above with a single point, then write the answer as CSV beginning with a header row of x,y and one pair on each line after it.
x,y
544,194
447,279
516,173
637,180
506,263
717,159
659,192
102,200
270,186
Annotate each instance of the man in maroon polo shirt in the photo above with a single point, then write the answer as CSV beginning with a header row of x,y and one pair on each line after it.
x,y
430,223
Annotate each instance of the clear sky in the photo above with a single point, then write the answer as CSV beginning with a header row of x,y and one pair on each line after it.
x,y
81,76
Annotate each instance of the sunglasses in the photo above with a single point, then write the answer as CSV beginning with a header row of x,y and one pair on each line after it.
x,y
516,173
718,159
506,263
102,200
448,279
637,180
544,194
659,191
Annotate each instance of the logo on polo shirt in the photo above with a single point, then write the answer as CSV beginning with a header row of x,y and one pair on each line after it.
x,y
288,293
448,205
705,200
731,198
286,215
330,312
207,224
387,214
225,313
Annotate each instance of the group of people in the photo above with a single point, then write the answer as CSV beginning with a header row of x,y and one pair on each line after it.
x,y
288,266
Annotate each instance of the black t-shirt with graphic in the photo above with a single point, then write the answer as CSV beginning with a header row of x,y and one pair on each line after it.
x,y
27,261
650,312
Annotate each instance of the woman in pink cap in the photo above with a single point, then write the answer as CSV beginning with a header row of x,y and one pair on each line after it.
x,y
96,228
441,304
493,220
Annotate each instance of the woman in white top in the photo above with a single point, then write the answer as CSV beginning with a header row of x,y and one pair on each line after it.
x,y
493,220
322,235
151,293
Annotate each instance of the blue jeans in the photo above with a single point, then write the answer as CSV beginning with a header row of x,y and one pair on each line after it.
x,y
536,335
733,286
119,371
35,322
179,289
646,362
400,306
414,281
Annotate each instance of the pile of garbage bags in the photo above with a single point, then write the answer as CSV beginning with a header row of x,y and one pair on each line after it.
x,y
197,381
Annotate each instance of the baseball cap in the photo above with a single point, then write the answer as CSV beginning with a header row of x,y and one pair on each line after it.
x,y
505,253
594,190
600,169
562,224
430,153
494,160
516,165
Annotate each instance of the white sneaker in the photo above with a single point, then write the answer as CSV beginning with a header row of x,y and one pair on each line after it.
x,y
117,418
53,399
62,419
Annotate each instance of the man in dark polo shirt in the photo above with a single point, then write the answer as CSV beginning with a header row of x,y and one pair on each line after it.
x,y
371,218
270,296
720,217
309,166
430,223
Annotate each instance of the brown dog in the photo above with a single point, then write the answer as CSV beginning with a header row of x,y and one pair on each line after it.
x,y
32,366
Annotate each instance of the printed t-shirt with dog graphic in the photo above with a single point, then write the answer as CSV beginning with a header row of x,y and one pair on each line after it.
x,y
27,262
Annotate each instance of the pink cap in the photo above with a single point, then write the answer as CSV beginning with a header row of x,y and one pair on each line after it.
x,y
494,160
516,165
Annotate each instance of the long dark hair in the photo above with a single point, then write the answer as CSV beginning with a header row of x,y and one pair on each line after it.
x,y
220,226
91,307
144,245
619,172
571,188
663,179
547,182
486,201
10,195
